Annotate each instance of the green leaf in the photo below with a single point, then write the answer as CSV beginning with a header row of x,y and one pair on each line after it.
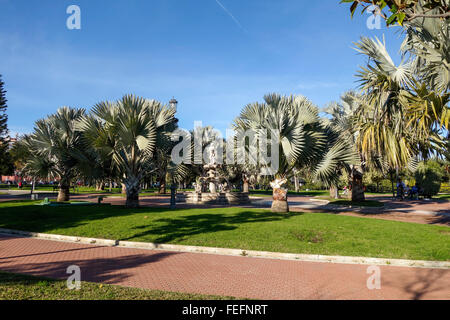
x,y
400,17
353,8
394,9
391,19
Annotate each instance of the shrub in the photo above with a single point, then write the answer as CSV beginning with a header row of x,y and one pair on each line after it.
x,y
445,188
428,177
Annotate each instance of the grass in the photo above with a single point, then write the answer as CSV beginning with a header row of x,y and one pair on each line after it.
x,y
443,196
310,193
23,287
247,229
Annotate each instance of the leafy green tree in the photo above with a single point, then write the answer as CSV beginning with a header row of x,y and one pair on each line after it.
x,y
429,177
19,154
6,166
404,11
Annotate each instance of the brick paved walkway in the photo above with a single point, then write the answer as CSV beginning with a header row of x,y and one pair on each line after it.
x,y
218,275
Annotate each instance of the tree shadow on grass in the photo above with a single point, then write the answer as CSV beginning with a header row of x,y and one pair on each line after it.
x,y
29,217
165,226
179,228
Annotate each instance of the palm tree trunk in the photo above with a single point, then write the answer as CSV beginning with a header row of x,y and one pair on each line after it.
x,y
296,183
334,192
63,193
357,186
132,194
99,186
245,185
162,184
279,203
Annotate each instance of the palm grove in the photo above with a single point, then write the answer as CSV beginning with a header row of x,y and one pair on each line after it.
x,y
397,118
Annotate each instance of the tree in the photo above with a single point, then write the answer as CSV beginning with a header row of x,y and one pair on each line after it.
x,y
19,154
429,177
6,166
56,149
426,42
127,131
341,126
162,155
404,11
193,166
303,141
399,118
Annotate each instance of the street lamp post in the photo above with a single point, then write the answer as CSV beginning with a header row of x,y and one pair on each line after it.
x,y
173,103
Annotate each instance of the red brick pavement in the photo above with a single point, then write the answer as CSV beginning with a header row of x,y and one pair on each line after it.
x,y
218,275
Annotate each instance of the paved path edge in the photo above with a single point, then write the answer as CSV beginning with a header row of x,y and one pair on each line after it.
x,y
231,252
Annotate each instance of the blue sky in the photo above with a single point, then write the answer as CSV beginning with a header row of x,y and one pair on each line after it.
x,y
213,56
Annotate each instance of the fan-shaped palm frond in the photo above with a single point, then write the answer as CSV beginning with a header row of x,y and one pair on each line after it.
x,y
56,148
128,131
427,40
381,72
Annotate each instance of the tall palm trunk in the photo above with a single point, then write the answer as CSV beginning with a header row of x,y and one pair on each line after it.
x,y
245,184
132,186
162,183
334,192
99,186
279,203
64,192
357,185
296,183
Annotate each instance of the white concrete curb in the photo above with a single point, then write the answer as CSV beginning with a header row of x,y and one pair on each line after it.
x,y
233,252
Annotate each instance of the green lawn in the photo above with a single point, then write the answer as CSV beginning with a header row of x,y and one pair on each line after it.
x,y
248,229
444,196
22,287
310,193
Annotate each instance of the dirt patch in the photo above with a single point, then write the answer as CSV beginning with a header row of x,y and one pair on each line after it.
x,y
309,236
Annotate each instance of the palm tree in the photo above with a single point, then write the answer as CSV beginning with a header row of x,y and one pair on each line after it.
x,y
303,141
427,41
342,138
399,117
192,168
127,131
56,149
